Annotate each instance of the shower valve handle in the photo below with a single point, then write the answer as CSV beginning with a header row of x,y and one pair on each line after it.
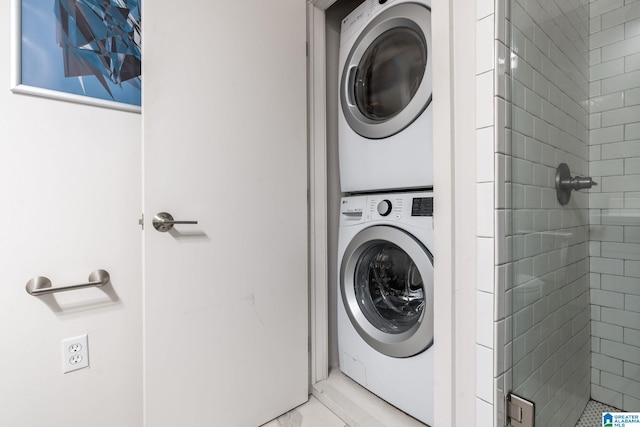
x,y
565,183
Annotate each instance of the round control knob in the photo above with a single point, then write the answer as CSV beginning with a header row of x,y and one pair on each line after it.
x,y
384,207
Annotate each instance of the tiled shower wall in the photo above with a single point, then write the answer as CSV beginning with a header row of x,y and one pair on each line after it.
x,y
615,204
539,287
550,294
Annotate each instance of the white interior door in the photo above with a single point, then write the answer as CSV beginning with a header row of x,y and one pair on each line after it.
x,y
224,123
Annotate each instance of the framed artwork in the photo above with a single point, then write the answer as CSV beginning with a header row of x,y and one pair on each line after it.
x,y
86,51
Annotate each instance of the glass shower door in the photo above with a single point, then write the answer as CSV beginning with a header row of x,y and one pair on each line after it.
x,y
575,291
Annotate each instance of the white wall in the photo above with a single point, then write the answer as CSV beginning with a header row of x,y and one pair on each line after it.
x,y
70,197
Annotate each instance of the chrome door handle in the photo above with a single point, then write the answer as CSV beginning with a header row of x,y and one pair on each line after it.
x,y
164,222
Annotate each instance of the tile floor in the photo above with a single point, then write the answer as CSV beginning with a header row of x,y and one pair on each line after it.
x,y
315,414
592,415
340,402
311,414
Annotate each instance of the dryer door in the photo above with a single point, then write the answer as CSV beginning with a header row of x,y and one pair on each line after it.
x,y
386,81
386,282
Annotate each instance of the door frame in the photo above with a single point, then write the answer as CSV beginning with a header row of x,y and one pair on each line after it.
x,y
454,190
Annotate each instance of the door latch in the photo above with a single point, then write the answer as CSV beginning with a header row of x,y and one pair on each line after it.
x,y
520,412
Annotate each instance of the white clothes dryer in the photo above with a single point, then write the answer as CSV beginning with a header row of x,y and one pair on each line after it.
x,y
385,136
385,300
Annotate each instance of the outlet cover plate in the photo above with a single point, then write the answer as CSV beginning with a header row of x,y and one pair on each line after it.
x,y
75,353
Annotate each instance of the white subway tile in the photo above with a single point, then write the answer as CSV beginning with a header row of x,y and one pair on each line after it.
x,y
620,15
632,28
627,251
615,382
607,102
632,131
606,363
630,404
523,72
620,49
484,8
607,299
594,248
621,150
485,204
606,167
484,100
607,266
532,197
595,88
602,394
632,97
601,7
485,264
606,69
632,303
484,44
606,233
522,172
621,115
632,269
619,283
606,37
606,200
632,234
533,103
632,200
632,62
484,413
484,319
621,183
484,155
606,135
595,153
632,166
503,80
503,27
595,57
540,85
533,150
623,318
632,371
632,337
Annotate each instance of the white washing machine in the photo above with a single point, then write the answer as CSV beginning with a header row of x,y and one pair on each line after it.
x,y
385,134
385,300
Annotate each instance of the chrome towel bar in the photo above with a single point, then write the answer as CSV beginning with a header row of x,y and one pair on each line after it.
x,y
42,286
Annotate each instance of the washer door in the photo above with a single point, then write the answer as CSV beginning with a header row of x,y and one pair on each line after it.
x,y
386,282
386,81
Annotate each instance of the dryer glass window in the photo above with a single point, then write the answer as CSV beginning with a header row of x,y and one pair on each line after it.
x,y
390,73
389,288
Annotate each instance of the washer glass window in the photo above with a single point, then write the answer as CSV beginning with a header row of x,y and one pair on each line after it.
x,y
390,73
389,288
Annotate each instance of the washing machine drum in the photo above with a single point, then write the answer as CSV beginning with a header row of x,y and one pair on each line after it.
x,y
387,290
386,80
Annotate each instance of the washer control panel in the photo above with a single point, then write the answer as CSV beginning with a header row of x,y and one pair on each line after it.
x,y
414,207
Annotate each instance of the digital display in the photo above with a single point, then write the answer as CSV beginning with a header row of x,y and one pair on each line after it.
x,y
422,206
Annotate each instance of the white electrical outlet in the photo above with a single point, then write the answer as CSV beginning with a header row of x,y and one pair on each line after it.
x,y
75,353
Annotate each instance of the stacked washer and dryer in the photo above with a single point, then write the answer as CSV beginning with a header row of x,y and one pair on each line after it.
x,y
385,241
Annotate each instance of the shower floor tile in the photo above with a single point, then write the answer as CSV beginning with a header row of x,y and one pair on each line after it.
x,y
592,415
